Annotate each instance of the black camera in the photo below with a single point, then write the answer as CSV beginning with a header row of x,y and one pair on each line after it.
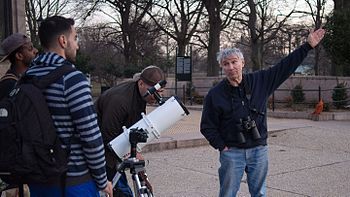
x,y
137,135
249,126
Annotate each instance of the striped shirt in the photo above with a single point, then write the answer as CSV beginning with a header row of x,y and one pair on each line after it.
x,y
71,107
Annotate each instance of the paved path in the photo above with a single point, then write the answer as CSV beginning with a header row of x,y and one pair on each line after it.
x,y
307,158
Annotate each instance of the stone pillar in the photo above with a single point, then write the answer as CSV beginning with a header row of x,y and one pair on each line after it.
x,y
18,16
17,23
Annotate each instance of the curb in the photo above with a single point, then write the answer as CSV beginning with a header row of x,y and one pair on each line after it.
x,y
188,143
175,144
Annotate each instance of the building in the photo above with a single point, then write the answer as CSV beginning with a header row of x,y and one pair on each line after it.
x,y
12,19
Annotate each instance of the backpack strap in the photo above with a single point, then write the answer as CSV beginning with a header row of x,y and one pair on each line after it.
x,y
54,76
48,79
9,76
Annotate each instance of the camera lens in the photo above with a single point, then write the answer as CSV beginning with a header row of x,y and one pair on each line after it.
x,y
255,131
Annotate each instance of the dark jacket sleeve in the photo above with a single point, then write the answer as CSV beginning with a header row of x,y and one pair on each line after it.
x,y
277,74
210,122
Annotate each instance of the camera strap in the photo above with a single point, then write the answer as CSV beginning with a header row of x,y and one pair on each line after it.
x,y
248,95
247,89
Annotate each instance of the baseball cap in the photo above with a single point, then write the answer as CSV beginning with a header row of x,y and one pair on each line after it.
x,y
151,75
11,43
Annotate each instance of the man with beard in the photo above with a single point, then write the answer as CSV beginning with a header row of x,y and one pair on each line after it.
x,y
234,116
120,106
19,50
71,107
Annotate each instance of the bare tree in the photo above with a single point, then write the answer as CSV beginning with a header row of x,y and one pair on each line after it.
x,y
178,19
37,10
104,52
129,18
105,49
317,13
220,15
263,25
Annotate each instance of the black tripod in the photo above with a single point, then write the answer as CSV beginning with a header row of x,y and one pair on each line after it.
x,y
142,187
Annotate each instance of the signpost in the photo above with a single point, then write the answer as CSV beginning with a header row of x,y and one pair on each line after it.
x,y
183,72
183,68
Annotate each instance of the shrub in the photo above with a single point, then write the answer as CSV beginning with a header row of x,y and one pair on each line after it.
x,y
289,101
215,82
340,95
326,107
297,94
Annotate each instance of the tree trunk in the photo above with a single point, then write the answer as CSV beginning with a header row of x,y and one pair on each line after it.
x,y
181,47
255,44
213,8
134,54
213,49
341,4
318,23
256,55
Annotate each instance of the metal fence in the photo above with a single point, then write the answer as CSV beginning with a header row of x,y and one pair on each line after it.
x,y
191,97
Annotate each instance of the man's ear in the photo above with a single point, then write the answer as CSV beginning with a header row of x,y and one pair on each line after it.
x,y
62,40
19,56
140,83
243,63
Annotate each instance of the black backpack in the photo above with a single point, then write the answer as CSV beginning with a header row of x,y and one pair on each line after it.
x,y
30,150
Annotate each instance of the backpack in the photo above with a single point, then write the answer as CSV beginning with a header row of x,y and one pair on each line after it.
x,y
30,150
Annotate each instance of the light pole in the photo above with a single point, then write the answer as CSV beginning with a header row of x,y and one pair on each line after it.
x,y
6,10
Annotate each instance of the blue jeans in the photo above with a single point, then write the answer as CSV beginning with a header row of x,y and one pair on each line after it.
x,y
87,189
234,162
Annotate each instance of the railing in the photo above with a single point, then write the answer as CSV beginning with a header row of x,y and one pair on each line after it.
x,y
311,99
320,92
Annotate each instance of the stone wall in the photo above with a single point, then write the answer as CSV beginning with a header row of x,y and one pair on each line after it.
x,y
310,86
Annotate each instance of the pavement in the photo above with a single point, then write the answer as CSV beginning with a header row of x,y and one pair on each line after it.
x,y
306,158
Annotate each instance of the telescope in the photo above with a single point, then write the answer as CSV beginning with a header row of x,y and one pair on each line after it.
x,y
153,124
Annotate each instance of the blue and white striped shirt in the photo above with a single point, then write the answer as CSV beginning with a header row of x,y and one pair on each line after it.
x,y
71,107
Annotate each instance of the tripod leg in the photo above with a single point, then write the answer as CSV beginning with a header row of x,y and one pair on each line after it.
x,y
144,181
140,189
115,179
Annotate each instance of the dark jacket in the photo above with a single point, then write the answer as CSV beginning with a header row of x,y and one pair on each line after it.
x,y
225,106
119,106
8,82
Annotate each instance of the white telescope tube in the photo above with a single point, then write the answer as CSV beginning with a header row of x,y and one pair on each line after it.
x,y
154,123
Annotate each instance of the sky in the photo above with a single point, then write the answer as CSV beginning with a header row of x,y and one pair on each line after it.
x,y
280,6
300,5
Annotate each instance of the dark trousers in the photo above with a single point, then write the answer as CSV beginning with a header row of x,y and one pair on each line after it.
x,y
122,188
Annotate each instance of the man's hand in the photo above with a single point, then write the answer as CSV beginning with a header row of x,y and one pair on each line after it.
x,y
225,149
109,189
315,37
139,156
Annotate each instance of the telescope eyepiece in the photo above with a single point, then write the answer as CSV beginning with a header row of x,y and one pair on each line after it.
x,y
155,88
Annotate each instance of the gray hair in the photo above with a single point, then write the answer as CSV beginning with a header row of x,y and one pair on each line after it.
x,y
223,54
